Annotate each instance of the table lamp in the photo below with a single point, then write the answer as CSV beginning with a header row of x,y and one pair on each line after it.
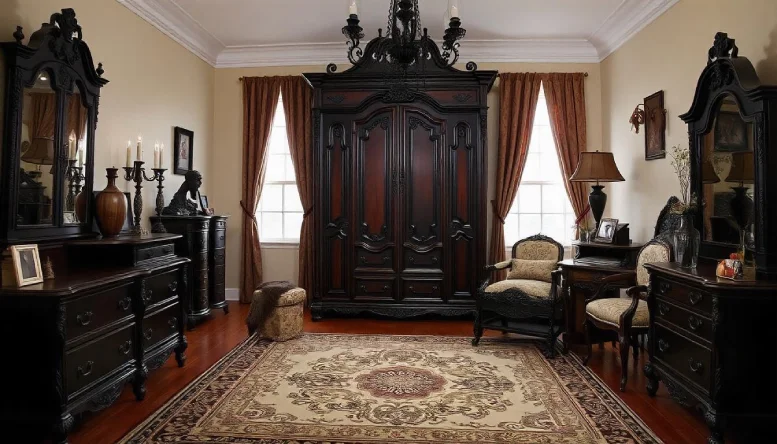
x,y
596,167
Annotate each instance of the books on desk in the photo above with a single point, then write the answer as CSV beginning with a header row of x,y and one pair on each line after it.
x,y
600,261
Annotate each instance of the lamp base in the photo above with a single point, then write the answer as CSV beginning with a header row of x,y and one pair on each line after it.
x,y
598,200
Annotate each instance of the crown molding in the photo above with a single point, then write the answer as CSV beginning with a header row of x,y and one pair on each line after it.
x,y
626,21
174,22
629,18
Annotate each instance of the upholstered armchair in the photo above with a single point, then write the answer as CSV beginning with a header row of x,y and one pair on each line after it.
x,y
528,301
607,318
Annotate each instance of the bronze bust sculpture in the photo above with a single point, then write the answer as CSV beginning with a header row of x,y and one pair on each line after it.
x,y
180,205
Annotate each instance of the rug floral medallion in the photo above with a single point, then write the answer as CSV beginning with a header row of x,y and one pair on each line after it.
x,y
394,389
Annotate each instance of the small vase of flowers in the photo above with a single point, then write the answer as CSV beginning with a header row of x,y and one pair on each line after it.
x,y
686,238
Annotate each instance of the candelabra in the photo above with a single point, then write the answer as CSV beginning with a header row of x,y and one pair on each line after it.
x,y
159,174
74,177
137,174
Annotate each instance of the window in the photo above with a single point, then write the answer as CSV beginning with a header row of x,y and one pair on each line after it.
x,y
280,210
542,204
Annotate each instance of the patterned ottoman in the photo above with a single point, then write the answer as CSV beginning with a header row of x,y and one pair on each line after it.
x,y
284,321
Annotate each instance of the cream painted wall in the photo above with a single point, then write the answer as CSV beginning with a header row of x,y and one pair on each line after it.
x,y
155,84
669,55
228,133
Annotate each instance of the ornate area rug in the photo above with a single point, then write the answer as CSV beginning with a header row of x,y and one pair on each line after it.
x,y
394,389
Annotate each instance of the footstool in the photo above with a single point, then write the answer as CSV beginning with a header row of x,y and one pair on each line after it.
x,y
285,320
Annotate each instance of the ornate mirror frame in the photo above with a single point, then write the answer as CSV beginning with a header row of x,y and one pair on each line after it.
x,y
729,74
58,49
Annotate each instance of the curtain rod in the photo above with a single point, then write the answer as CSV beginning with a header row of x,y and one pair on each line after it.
x,y
585,74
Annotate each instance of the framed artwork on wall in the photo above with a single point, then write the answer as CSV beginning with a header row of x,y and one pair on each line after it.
x,y
183,144
655,126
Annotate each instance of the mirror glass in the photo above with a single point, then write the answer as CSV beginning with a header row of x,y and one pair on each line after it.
x,y
36,179
74,197
727,177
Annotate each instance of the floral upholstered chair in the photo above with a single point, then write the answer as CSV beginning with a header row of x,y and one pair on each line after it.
x,y
527,302
624,318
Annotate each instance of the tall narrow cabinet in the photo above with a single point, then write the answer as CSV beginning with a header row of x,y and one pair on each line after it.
x,y
400,195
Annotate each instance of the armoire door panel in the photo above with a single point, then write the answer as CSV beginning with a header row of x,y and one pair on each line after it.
x,y
336,163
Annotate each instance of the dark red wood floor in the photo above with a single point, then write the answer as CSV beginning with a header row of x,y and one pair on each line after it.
x,y
213,339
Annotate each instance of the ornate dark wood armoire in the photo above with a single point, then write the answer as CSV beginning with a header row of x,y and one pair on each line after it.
x,y
400,196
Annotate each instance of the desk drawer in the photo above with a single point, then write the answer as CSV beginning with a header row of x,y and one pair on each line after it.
x,y
91,361
91,312
160,326
161,287
684,356
669,313
696,300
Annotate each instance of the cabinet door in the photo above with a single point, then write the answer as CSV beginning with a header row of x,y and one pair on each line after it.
x,y
421,191
374,227
334,194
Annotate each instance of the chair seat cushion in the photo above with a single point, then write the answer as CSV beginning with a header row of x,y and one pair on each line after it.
x,y
537,289
609,311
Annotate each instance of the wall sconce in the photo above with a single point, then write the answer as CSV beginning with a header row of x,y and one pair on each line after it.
x,y
637,118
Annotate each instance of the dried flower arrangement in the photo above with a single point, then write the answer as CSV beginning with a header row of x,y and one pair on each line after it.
x,y
681,162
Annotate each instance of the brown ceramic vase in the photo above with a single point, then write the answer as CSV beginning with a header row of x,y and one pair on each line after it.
x,y
111,207
81,206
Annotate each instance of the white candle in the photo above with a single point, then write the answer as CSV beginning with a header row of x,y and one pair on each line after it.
x,y
71,148
81,158
161,154
129,153
156,155
353,9
454,11
140,149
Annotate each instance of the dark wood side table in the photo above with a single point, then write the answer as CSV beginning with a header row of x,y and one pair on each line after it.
x,y
581,276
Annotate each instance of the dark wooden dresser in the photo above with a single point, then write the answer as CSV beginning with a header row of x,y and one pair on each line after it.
x,y
712,343
73,342
204,242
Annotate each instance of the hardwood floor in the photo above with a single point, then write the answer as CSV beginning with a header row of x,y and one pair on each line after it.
x,y
213,339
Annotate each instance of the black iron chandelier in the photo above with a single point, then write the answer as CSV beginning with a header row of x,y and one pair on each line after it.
x,y
406,43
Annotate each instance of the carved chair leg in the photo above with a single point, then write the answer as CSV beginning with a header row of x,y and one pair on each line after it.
x,y
226,309
478,328
635,346
589,348
551,339
624,349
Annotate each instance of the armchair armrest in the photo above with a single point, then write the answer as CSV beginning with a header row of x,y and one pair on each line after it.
x,y
612,282
634,292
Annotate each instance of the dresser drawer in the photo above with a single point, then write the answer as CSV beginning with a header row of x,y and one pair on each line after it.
x,y
669,313
149,253
375,288
684,356
217,275
219,239
161,287
161,325
91,312
89,362
219,257
381,260
687,296
431,260
422,289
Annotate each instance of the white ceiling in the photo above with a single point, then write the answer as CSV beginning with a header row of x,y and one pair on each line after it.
x,y
233,33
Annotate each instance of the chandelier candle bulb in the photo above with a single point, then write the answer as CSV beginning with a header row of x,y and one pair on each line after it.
x,y
454,11
129,153
353,9
139,154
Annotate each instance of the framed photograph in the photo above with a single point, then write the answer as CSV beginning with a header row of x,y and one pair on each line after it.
x,y
606,231
204,202
26,264
655,126
183,144
730,133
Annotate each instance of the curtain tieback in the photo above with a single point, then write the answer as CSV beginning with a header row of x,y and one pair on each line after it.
x,y
248,213
496,213
308,211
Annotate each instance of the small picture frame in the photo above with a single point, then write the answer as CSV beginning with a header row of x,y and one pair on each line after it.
x,y
183,150
26,264
205,208
606,232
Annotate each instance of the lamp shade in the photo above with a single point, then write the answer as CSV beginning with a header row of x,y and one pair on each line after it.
x,y
596,167
708,174
742,165
40,152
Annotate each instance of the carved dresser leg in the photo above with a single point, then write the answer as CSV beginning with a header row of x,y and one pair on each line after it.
x,y
139,383
180,351
62,429
715,423
652,379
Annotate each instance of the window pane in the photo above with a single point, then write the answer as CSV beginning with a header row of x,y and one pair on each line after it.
x,y
291,200
541,115
271,226
545,138
529,199
553,226
531,172
272,198
279,120
292,224
279,143
530,224
274,171
289,169
553,197
511,229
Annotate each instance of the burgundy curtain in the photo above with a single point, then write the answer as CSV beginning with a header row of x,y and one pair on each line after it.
x,y
297,105
565,94
518,93
260,97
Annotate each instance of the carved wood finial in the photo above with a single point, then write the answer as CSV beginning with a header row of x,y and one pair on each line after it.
x,y
723,47
100,70
67,22
18,35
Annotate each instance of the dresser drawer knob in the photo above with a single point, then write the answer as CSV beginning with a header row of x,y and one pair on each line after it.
x,y
663,345
663,309
695,298
694,323
664,288
147,296
173,287
148,332
173,322
124,303
696,366
125,348
85,370
85,318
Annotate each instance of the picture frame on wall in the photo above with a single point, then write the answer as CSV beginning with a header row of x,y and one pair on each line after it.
x,y
183,150
655,126
730,133
25,260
